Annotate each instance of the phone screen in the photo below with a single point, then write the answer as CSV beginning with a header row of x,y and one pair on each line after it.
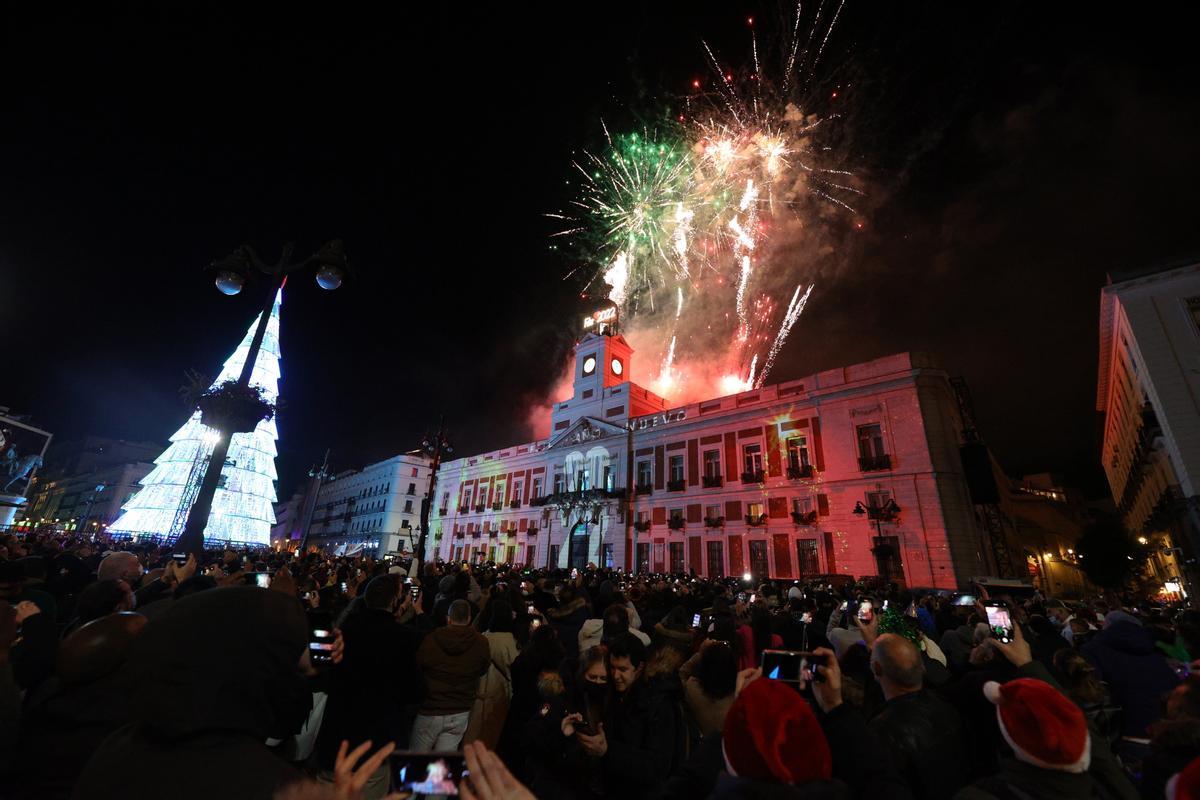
x,y
574,574
180,557
866,610
1000,622
753,598
343,586
965,600
695,620
429,773
320,639
782,665
262,580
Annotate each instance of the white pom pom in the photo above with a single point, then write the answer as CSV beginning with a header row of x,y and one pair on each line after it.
x,y
991,690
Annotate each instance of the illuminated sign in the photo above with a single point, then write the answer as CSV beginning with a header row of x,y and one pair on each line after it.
x,y
653,421
598,320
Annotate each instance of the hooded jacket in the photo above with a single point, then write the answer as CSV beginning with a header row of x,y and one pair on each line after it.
x,y
452,659
215,678
1136,672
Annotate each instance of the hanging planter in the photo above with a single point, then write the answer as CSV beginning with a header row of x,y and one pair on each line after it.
x,y
233,408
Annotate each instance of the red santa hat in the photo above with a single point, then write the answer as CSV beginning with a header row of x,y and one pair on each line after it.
x,y
1042,726
771,734
1185,785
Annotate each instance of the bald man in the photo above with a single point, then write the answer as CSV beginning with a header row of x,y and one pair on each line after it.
x,y
924,734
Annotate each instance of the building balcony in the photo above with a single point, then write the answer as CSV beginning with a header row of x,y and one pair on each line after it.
x,y
479,508
756,521
497,506
514,503
442,512
807,518
795,473
756,476
463,509
875,463
537,502
644,488
714,522
675,523
676,485
711,481
641,526
531,530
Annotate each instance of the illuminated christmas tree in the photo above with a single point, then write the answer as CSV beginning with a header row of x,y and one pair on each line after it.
x,y
242,510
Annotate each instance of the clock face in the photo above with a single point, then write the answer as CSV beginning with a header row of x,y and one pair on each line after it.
x,y
617,366
589,365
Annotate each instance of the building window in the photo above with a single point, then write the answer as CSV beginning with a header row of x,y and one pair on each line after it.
x,y
806,558
712,463
871,453
553,555
536,490
755,509
797,450
530,554
607,555
609,478
675,466
758,559
408,506
712,512
412,489
414,472
878,499
752,458
559,481
583,479
643,558
716,559
676,552
516,494
643,474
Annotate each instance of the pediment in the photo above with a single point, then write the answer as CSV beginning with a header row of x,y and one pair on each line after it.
x,y
586,429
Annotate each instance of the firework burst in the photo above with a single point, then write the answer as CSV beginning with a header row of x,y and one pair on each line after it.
x,y
709,210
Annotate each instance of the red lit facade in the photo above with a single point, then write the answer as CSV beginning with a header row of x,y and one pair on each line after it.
x,y
764,482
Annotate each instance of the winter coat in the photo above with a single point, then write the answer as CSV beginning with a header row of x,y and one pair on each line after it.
x,y
375,689
566,620
215,678
591,633
1135,671
642,730
927,741
495,690
452,659
1017,780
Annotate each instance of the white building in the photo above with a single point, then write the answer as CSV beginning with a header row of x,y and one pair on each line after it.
x,y
376,508
1149,393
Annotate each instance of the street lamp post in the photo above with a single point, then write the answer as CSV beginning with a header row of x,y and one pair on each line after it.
x,y
434,446
232,272
879,515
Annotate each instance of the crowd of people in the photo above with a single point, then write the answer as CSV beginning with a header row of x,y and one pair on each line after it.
x,y
132,671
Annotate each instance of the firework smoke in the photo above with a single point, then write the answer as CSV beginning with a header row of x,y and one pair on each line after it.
x,y
722,211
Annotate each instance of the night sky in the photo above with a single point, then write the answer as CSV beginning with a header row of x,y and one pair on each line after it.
x,y
1014,154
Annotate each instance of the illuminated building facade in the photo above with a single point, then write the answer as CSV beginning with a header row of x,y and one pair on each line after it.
x,y
765,482
1149,393
375,510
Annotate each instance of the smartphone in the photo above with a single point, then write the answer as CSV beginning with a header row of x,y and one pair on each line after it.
x,y
531,609
416,592
806,617
429,773
180,558
866,610
1000,622
260,579
782,665
695,620
320,639
885,605
741,598
965,600
344,586
753,598
574,574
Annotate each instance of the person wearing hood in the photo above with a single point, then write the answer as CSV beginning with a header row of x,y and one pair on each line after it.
x,y
495,688
568,617
675,631
214,680
594,632
1137,674
451,660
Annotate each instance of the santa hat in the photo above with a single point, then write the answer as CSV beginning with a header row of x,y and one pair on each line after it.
x,y
1042,726
771,734
1185,785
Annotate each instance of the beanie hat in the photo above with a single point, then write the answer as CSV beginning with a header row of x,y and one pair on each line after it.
x,y
1185,785
1042,726
771,734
